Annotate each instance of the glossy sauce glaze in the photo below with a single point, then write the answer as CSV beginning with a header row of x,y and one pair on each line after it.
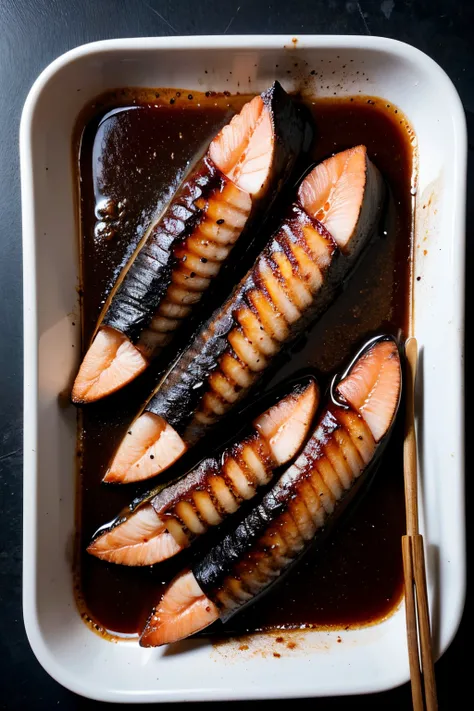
x,y
134,150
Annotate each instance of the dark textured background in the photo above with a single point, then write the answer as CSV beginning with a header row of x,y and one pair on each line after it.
x,y
32,34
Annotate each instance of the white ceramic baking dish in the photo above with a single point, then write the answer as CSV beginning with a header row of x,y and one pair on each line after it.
x,y
369,659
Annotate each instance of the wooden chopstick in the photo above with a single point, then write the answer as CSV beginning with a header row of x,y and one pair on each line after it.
x,y
409,445
412,629
416,597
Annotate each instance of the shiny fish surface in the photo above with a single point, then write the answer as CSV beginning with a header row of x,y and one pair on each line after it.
x,y
164,524
251,558
292,282
235,182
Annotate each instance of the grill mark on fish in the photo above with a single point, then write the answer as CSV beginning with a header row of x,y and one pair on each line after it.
x,y
294,512
142,285
292,282
227,358
216,488
182,253
256,303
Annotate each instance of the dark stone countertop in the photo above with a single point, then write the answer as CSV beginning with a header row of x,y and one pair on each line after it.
x,y
32,34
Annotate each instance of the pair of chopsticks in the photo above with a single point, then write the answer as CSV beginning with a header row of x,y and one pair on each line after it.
x,y
416,598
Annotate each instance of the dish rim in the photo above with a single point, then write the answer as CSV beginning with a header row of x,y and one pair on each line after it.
x,y
30,326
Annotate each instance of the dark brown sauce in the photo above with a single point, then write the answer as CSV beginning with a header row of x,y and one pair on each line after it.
x,y
130,161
